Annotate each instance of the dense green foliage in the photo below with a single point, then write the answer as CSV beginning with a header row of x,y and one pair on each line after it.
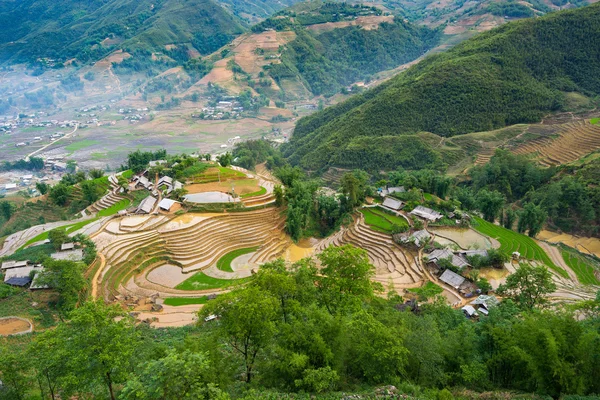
x,y
308,331
515,73
329,61
249,153
567,198
63,30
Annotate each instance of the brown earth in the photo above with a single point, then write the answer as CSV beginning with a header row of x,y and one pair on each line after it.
x,y
10,326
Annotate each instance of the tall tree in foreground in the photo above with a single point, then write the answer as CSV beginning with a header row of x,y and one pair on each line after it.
x,y
178,376
344,281
99,343
528,286
246,322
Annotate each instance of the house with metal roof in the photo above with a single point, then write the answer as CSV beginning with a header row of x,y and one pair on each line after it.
x,y
426,213
452,278
455,259
392,204
147,205
166,204
69,255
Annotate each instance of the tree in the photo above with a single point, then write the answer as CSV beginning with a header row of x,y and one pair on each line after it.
x,y
354,187
246,322
66,277
90,191
179,194
96,173
278,193
177,375
532,219
344,281
225,159
13,373
59,194
528,286
101,341
57,237
274,278
376,352
7,209
42,187
48,355
490,204
510,216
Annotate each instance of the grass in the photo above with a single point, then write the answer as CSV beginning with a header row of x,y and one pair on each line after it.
x,y
224,263
67,228
257,193
20,304
184,301
128,174
34,254
511,241
115,208
582,266
82,144
201,281
380,221
594,121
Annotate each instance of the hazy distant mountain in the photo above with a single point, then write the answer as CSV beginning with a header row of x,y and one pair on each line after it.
x,y
90,29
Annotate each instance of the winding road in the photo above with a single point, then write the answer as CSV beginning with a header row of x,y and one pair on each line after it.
x,y
68,135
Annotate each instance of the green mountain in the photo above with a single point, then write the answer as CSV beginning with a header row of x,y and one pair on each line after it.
x,y
88,30
338,44
513,74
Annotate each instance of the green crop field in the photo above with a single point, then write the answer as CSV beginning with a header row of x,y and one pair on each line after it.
x,y
201,281
511,241
581,265
185,301
82,144
380,221
257,193
115,208
224,263
595,121
67,228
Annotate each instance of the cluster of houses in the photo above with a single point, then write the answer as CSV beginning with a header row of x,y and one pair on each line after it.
x,y
223,110
165,185
459,260
23,273
9,123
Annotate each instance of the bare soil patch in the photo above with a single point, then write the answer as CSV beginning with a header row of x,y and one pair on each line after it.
x,y
13,325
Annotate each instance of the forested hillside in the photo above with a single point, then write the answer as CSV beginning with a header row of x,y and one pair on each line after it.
x,y
516,73
327,60
90,30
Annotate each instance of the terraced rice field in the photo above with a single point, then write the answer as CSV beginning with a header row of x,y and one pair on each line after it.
x,y
224,263
394,265
197,243
380,221
511,241
582,266
575,140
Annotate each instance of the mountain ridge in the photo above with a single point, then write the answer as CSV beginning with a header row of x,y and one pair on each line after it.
x,y
515,73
